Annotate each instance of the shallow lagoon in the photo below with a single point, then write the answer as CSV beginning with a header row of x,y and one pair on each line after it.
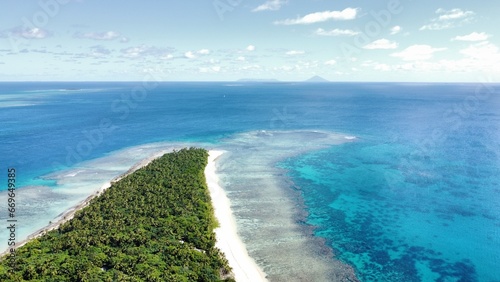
x,y
399,201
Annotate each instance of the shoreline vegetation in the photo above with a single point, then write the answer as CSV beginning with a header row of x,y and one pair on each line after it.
x,y
69,213
156,223
244,267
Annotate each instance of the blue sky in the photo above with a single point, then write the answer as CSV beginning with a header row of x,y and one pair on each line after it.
x,y
357,40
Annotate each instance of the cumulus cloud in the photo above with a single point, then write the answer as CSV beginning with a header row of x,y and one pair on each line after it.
x,y
250,48
271,5
250,67
395,29
330,62
475,36
145,50
241,58
478,57
376,66
295,52
346,14
453,14
167,57
382,67
203,52
192,55
417,53
381,44
483,50
35,33
99,51
448,19
336,32
189,55
108,35
27,33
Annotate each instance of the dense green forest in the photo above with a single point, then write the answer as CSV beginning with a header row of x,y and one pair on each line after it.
x,y
156,224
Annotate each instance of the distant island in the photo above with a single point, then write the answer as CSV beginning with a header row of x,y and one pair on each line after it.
x,y
156,224
316,79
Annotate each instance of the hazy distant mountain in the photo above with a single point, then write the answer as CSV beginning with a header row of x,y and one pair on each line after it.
x,y
316,78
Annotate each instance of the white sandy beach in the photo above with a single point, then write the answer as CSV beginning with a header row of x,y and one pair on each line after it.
x,y
244,267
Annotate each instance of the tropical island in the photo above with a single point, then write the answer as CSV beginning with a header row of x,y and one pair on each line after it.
x,y
156,224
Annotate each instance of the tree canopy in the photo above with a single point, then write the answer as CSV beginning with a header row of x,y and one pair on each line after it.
x,y
155,224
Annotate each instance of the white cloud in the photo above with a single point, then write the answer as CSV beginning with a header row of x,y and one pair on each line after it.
x,y
241,58
437,26
330,62
478,58
381,44
284,68
270,5
250,48
144,50
448,19
417,53
29,33
189,55
35,33
346,14
482,57
376,66
475,36
108,35
167,57
483,50
395,29
295,52
99,51
251,67
453,14
336,32
382,67
209,69
204,69
203,52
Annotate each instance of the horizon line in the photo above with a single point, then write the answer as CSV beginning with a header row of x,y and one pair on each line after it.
x,y
269,81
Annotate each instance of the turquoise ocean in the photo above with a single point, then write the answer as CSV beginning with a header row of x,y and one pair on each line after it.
x,y
390,181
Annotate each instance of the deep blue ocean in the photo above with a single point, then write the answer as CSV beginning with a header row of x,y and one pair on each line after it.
x,y
415,198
